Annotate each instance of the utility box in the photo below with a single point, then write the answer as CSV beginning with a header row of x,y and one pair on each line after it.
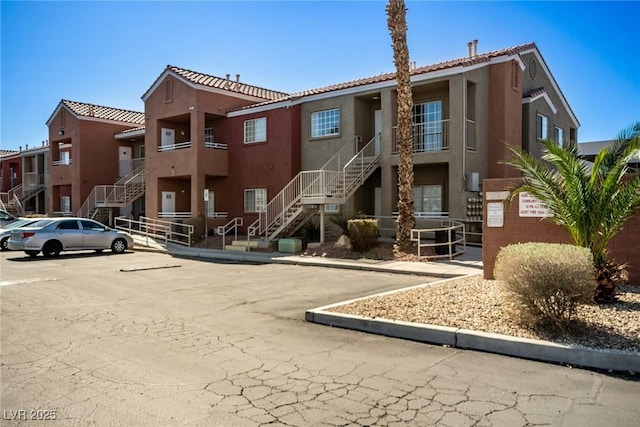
x,y
473,181
290,246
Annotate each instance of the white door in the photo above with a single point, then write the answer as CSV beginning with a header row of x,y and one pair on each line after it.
x,y
211,203
168,137
125,161
377,128
377,201
168,201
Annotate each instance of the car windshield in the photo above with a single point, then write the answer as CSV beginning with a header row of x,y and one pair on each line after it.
x,y
20,223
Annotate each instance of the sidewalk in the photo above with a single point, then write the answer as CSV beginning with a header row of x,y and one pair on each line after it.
x,y
468,263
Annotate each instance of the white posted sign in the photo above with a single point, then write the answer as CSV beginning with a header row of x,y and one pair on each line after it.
x,y
495,214
530,206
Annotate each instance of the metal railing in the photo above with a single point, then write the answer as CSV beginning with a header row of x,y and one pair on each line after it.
x,y
165,231
126,190
217,214
428,137
62,162
129,167
171,147
342,157
216,145
223,230
445,243
174,214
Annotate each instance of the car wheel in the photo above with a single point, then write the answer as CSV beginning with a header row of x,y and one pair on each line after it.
x,y
32,254
51,249
119,246
4,244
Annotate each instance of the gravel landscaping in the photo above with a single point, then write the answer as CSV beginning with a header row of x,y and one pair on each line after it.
x,y
476,304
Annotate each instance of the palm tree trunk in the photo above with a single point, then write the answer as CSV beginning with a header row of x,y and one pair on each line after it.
x,y
396,21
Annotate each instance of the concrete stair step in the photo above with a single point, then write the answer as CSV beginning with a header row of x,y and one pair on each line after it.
x,y
238,248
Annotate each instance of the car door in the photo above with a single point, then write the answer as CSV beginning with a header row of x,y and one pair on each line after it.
x,y
69,233
95,235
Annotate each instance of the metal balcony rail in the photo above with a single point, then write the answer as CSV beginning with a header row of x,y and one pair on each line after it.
x,y
428,137
129,167
174,214
217,214
178,146
216,145
232,225
62,162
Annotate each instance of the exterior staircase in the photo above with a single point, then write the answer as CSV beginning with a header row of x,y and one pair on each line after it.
x,y
299,200
14,200
104,197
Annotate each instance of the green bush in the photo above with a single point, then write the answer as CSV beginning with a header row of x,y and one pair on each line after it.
x,y
310,231
545,282
363,233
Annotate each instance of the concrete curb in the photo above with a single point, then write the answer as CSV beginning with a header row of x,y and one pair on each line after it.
x,y
525,348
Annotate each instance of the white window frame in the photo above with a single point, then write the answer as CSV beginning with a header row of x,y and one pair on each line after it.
x,y
65,204
208,135
255,199
542,126
428,125
255,130
332,208
325,123
559,136
65,158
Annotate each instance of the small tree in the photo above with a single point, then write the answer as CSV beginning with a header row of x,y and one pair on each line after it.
x,y
591,203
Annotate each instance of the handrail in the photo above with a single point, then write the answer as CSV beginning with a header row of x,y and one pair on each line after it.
x,y
61,162
343,156
216,145
449,227
223,230
171,147
428,137
168,231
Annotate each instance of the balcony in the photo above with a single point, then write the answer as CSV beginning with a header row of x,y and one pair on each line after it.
x,y
430,137
172,147
61,162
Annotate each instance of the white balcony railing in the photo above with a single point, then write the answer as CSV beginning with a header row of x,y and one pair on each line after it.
x,y
215,145
217,214
61,162
428,137
178,146
169,214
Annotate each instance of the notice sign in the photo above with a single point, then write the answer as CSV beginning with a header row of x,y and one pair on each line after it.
x,y
495,214
530,206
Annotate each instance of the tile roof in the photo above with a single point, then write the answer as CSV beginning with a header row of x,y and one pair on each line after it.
x,y
138,129
4,153
460,62
535,92
106,113
226,84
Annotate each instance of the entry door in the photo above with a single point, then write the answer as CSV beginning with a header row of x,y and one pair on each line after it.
x,y
168,201
377,128
211,203
125,161
168,137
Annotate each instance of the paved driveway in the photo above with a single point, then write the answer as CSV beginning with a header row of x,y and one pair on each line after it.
x,y
181,342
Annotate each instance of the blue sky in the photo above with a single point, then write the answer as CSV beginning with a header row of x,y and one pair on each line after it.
x,y
110,52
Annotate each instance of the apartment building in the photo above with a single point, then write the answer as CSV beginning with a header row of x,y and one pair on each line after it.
x,y
25,179
90,153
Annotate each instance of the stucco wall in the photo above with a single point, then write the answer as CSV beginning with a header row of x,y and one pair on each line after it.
x,y
624,247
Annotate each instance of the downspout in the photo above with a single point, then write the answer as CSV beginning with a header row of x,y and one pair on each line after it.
x,y
464,146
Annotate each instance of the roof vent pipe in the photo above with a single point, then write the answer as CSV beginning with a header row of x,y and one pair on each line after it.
x,y
238,78
475,47
228,82
470,47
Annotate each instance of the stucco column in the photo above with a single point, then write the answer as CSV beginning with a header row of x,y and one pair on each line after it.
x,y
197,150
387,181
457,145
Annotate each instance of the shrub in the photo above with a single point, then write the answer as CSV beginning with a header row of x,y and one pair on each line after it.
x,y
363,233
545,282
310,231
342,221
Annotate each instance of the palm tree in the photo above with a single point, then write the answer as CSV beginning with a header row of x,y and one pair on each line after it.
x,y
592,203
397,23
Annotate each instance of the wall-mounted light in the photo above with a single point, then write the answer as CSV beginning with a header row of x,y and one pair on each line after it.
x,y
182,132
61,132
191,108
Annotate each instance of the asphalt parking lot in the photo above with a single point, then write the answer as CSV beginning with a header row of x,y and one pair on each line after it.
x,y
148,339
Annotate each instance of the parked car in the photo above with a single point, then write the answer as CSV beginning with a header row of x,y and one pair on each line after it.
x,y
54,235
5,231
6,218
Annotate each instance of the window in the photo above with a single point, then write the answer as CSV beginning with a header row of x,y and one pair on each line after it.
x,y
427,126
427,199
325,123
332,208
208,135
68,225
559,136
64,158
542,127
255,130
255,200
515,74
65,204
91,225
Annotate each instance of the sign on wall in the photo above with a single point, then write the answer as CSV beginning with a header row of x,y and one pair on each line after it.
x,y
495,214
531,206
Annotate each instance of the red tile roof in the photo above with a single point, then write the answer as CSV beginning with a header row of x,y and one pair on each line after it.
x,y
460,62
224,84
4,153
106,113
535,92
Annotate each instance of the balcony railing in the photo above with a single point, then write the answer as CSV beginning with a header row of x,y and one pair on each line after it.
x,y
428,137
126,167
217,214
61,162
215,145
169,214
178,146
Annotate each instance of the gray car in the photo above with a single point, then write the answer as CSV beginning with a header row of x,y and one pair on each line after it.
x,y
6,218
5,231
54,235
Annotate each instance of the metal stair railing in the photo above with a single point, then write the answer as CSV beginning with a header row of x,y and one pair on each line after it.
x,y
126,190
223,230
